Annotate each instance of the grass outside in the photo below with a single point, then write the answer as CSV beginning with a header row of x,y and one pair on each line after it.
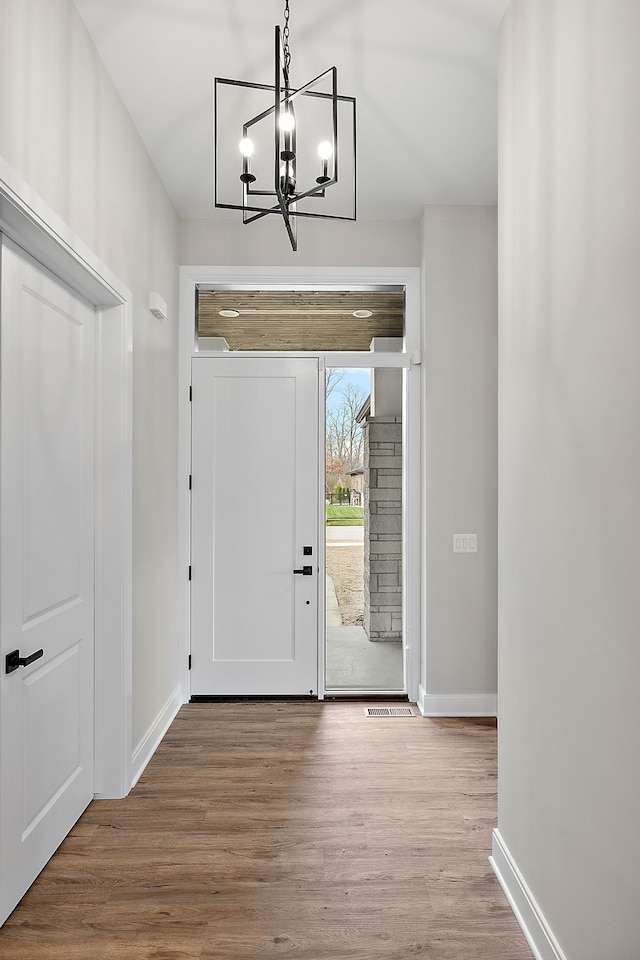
x,y
342,516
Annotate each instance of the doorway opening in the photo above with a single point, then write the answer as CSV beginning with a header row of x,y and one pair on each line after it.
x,y
363,531
323,321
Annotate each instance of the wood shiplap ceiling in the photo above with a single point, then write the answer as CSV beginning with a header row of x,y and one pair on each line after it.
x,y
300,320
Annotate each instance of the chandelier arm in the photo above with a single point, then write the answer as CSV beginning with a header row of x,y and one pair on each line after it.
x,y
290,224
263,213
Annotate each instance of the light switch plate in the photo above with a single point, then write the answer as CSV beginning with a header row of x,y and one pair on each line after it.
x,y
465,543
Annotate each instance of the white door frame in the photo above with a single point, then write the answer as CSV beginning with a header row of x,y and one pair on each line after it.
x,y
26,219
337,278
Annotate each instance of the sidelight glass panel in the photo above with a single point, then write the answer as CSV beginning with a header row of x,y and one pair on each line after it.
x,y
363,531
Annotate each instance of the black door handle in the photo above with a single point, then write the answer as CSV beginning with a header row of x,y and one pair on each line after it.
x,y
305,571
14,660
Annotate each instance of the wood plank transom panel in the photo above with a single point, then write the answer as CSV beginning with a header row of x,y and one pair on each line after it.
x,y
300,319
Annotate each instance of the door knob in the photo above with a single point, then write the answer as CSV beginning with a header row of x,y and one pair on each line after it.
x,y
305,571
14,660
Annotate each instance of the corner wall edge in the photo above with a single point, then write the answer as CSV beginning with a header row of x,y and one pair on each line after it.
x,y
525,908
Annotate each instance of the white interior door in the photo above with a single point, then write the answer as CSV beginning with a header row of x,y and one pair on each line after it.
x,y
46,567
254,619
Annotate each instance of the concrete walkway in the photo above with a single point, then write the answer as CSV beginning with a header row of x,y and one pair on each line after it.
x,y
345,534
333,618
353,662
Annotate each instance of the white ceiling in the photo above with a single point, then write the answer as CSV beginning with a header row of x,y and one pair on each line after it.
x,y
424,74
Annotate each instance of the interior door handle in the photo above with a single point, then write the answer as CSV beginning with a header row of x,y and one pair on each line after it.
x,y
305,571
14,660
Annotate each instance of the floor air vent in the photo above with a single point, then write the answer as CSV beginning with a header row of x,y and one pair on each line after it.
x,y
388,712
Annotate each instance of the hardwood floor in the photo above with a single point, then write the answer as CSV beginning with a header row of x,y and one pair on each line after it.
x,y
298,830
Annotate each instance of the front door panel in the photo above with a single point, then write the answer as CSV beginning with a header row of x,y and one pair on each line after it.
x,y
254,510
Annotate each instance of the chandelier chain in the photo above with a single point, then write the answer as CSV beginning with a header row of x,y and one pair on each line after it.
x,y
285,38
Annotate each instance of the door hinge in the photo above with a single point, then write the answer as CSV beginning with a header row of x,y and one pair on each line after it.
x,y
189,481
189,571
190,393
189,661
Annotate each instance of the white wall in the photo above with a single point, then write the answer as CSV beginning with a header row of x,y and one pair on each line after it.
x,y
65,131
457,248
321,243
460,359
569,775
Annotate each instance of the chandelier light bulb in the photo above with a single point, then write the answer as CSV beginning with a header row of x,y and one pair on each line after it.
x,y
287,121
325,149
246,149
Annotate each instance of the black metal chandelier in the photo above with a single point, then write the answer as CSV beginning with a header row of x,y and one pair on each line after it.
x,y
274,171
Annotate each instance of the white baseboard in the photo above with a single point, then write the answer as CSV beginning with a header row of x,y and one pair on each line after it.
x,y
151,740
457,705
527,912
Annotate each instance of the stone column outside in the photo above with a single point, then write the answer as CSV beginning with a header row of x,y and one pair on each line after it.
x,y
383,528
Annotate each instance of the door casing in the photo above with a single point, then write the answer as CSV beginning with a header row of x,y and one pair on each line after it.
x,y
332,278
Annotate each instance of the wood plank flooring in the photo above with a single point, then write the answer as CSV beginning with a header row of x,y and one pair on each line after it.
x,y
298,830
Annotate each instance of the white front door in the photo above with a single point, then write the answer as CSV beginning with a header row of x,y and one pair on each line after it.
x,y
46,567
254,515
